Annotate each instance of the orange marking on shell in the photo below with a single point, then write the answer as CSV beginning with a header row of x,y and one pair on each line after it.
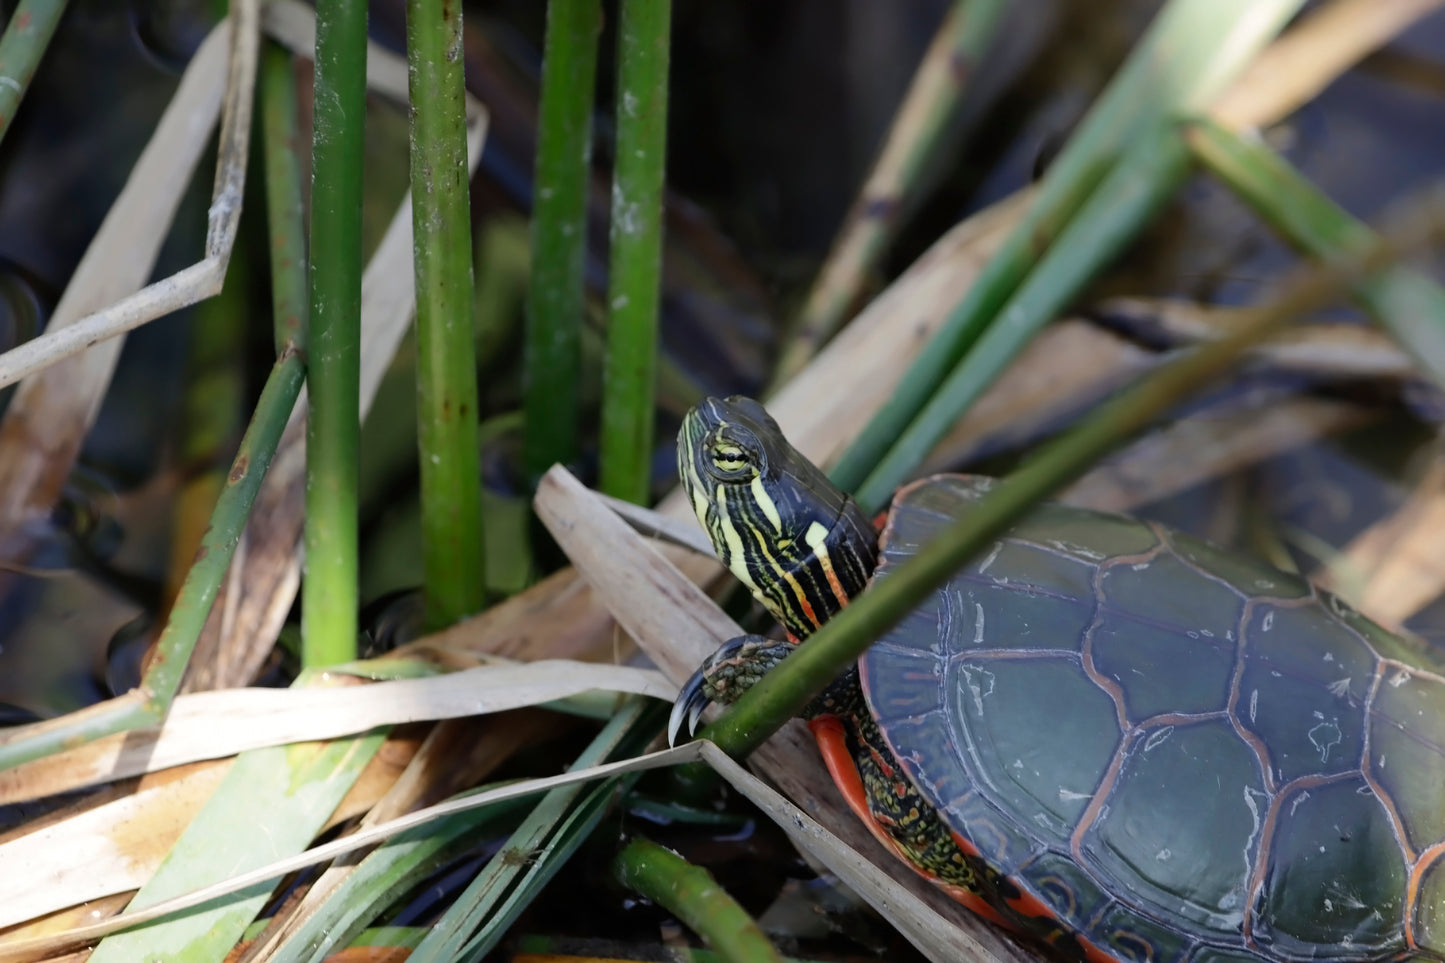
x,y
1429,857
969,899
1027,904
833,744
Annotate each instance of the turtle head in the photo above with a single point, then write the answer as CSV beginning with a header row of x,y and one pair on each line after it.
x,y
802,546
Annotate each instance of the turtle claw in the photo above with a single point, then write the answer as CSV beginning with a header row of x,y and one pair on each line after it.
x,y
723,676
692,699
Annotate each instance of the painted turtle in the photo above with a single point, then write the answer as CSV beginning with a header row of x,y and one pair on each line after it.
x,y
1104,733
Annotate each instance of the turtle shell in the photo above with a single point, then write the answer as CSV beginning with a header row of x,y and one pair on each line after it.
x,y
1181,752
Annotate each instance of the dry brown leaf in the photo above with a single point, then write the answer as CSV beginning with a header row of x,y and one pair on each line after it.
x,y
212,725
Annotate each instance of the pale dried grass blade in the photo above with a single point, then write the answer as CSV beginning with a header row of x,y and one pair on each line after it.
x,y
213,725
112,848
21,950
1074,365
673,620
54,407
1308,58
1326,349
683,533
67,919
677,625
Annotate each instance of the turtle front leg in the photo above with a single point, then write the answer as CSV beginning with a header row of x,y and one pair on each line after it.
x,y
723,677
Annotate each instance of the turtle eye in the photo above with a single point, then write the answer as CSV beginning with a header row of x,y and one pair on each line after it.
x,y
729,458
732,458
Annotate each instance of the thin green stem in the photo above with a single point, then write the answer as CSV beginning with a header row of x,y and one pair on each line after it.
x,y
636,248
782,693
1113,215
451,495
329,592
285,206
213,407
228,522
26,37
1192,50
27,743
1410,305
556,295
692,895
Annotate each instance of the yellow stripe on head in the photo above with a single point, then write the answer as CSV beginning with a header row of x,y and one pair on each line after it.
x,y
765,503
816,538
737,551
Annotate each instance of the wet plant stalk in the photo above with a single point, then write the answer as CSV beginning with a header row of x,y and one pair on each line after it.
x,y
552,357
782,693
451,496
228,521
329,590
285,206
212,409
1409,304
26,37
1189,54
932,101
630,373
692,895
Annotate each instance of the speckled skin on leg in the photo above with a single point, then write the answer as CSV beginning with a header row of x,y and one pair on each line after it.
x,y
892,801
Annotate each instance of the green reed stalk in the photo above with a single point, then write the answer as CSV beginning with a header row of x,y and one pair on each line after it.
x,y
285,203
552,356
636,248
329,591
451,493
692,895
26,37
